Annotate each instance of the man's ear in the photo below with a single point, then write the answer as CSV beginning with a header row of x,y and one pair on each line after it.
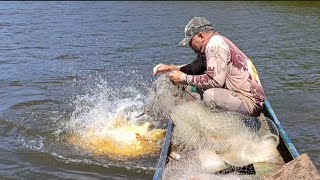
x,y
201,35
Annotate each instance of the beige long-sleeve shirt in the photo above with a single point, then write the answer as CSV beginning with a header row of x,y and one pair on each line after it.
x,y
228,67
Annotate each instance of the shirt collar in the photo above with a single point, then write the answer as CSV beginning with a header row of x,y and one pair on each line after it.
x,y
203,50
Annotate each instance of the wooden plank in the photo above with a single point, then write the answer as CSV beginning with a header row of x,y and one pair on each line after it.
x,y
299,168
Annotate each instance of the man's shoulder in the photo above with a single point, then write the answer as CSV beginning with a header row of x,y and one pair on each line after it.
x,y
217,41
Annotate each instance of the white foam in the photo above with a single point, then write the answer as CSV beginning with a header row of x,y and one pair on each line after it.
x,y
99,109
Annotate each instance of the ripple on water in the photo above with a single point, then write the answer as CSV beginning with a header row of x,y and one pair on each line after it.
x,y
126,49
66,57
15,83
34,103
4,24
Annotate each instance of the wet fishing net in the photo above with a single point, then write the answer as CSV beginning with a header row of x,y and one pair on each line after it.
x,y
209,143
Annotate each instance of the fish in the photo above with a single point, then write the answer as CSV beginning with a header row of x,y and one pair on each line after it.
x,y
123,139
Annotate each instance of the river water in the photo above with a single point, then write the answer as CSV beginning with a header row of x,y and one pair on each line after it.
x,y
59,57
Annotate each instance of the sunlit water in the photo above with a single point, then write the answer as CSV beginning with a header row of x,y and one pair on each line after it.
x,y
61,58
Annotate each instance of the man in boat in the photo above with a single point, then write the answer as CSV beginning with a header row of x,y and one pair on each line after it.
x,y
223,75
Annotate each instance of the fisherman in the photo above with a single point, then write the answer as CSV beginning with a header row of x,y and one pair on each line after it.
x,y
223,75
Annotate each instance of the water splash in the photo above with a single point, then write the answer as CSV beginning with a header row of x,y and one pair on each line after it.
x,y
106,123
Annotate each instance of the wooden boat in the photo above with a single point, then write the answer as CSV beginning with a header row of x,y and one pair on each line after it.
x,y
286,149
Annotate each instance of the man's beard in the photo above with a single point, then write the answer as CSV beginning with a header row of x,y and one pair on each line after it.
x,y
197,51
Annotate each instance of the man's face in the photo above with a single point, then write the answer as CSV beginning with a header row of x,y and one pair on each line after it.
x,y
196,44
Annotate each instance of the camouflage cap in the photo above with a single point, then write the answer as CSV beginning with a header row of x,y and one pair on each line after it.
x,y
194,27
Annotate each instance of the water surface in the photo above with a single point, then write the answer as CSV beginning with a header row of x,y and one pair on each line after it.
x,y
55,54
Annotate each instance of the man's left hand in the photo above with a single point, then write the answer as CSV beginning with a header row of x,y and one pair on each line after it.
x,y
177,77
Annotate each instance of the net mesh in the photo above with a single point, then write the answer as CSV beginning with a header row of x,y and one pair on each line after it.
x,y
212,144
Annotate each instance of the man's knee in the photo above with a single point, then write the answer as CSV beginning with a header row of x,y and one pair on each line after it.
x,y
223,99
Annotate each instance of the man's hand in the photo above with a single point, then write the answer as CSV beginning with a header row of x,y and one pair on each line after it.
x,y
177,77
162,68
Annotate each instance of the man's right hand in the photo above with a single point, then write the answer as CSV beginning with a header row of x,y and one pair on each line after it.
x,y
162,68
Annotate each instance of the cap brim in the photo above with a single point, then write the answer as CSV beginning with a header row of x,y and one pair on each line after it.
x,y
185,41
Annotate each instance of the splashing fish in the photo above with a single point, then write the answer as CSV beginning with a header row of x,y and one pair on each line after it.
x,y
123,139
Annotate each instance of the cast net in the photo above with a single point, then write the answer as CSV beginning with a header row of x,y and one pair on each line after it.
x,y
212,144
